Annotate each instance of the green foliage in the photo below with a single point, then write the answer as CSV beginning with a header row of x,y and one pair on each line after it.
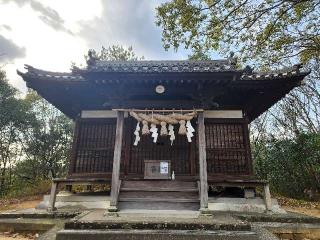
x,y
21,189
267,30
15,118
114,53
291,165
198,54
35,140
48,144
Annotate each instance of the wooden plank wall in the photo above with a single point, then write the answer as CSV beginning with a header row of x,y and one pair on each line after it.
x,y
95,146
178,153
228,149
227,146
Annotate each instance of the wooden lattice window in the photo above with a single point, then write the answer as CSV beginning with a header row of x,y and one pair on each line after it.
x,y
94,146
227,146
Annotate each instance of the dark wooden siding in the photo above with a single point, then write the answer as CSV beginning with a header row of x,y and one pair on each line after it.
x,y
93,152
178,153
227,146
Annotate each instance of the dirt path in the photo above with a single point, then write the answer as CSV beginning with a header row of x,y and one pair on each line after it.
x,y
16,236
310,212
300,206
16,204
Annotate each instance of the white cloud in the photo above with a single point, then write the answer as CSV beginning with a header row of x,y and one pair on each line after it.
x,y
55,33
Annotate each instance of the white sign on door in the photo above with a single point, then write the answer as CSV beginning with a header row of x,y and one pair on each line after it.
x,y
164,167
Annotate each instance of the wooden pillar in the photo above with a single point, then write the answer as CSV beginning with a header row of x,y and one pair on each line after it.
x,y
202,163
115,185
75,143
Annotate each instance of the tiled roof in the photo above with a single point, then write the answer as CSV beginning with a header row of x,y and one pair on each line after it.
x,y
161,66
58,76
249,74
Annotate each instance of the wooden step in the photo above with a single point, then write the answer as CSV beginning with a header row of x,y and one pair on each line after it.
x,y
149,189
173,200
159,194
159,184
163,195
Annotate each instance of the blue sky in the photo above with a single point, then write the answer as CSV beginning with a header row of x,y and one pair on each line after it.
x,y
50,34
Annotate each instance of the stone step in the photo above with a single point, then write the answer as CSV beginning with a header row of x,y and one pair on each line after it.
x,y
98,220
143,204
155,235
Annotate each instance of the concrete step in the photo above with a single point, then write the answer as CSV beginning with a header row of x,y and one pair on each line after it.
x,y
158,205
155,235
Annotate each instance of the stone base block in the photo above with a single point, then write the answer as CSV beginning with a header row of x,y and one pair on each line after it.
x,y
254,205
79,201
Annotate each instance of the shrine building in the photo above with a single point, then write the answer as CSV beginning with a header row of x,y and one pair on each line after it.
x,y
162,131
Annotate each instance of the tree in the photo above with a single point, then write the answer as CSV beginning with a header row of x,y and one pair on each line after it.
x,y
291,165
266,31
113,53
47,144
14,120
35,139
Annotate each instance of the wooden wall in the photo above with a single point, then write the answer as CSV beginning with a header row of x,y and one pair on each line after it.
x,y
92,152
227,145
228,148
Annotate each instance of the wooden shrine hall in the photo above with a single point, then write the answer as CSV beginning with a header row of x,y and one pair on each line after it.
x,y
162,131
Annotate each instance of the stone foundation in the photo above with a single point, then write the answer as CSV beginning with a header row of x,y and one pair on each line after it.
x,y
80,201
250,205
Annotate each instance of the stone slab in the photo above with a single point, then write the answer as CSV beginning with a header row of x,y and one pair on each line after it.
x,y
253,205
99,220
154,235
33,213
66,200
129,213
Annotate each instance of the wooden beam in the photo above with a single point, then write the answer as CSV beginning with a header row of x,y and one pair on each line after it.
x,y
202,163
115,185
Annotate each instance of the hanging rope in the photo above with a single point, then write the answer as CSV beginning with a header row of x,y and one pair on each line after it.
x,y
154,119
